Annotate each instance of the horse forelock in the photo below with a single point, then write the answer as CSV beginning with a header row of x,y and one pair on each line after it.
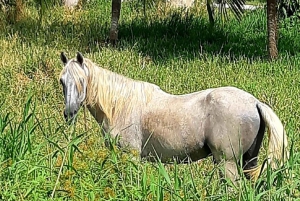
x,y
115,94
77,73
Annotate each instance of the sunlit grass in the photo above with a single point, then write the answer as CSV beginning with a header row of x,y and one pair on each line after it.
x,y
40,154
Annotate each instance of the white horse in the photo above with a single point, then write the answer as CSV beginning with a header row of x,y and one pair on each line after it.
x,y
226,122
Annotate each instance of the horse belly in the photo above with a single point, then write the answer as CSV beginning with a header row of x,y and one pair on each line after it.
x,y
172,129
172,146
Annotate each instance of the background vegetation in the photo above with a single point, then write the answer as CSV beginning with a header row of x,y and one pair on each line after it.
x,y
42,158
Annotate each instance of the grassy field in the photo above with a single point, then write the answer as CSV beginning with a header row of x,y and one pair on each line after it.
x,y
41,158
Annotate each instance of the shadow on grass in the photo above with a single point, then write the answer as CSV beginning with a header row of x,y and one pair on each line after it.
x,y
162,39
191,36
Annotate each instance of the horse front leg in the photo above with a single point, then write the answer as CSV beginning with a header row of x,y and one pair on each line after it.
x,y
115,15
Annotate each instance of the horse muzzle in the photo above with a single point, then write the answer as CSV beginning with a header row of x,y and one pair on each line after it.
x,y
70,116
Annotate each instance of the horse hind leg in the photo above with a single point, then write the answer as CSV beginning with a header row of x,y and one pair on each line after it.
x,y
250,156
232,171
230,167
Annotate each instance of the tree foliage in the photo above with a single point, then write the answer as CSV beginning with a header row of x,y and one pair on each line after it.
x,y
289,8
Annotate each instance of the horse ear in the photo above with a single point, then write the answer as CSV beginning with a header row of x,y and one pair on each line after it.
x,y
63,58
79,58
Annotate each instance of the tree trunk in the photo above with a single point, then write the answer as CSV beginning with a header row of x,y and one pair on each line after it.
x,y
19,10
272,18
210,12
115,15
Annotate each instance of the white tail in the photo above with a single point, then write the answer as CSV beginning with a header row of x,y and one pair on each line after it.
x,y
277,140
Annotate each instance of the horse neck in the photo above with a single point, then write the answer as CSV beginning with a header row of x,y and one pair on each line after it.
x,y
99,115
106,103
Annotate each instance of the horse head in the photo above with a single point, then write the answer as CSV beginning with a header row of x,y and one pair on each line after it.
x,y
74,83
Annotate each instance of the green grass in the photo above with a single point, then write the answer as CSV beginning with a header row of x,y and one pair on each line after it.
x,y
40,154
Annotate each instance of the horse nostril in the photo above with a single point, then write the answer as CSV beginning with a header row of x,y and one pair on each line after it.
x,y
66,116
70,113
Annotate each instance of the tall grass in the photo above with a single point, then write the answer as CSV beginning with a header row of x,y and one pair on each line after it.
x,y
41,158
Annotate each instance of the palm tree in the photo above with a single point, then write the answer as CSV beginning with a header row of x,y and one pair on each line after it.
x,y
237,8
272,20
235,5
